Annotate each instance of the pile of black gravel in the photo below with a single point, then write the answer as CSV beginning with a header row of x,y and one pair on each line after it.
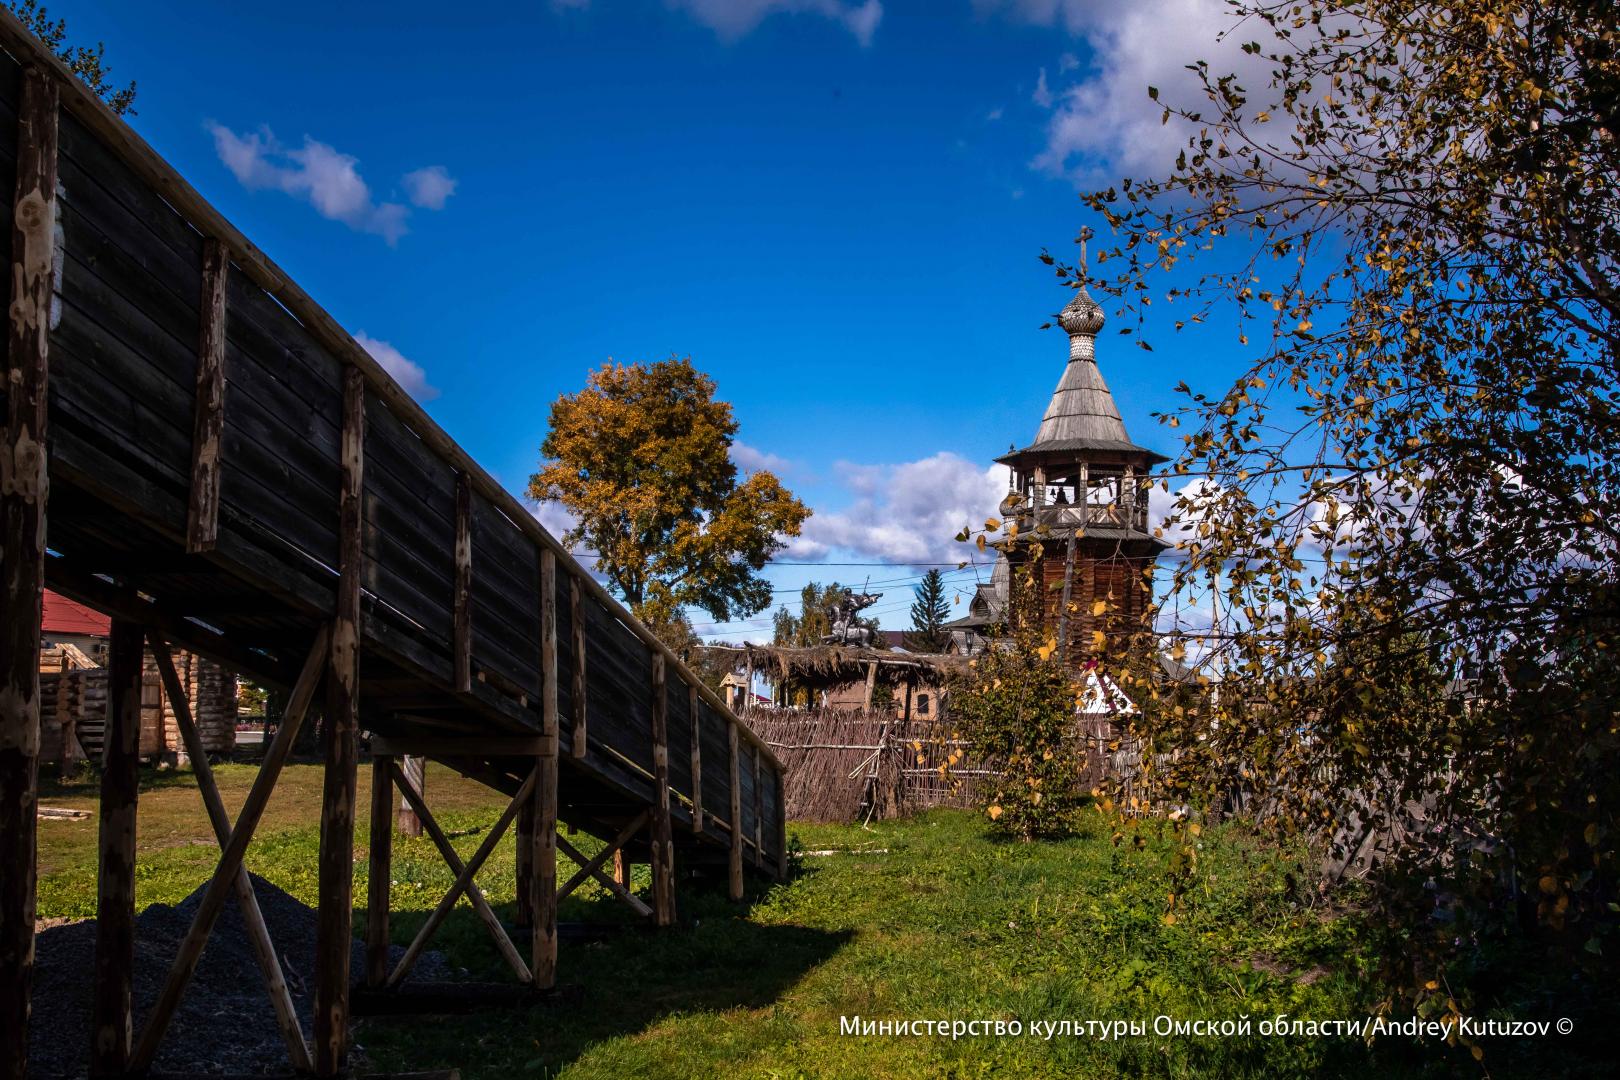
x,y
224,1024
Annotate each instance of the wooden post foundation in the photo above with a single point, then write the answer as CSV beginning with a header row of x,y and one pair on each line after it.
x,y
112,1020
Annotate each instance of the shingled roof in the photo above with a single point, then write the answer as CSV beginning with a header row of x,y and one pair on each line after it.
x,y
1082,414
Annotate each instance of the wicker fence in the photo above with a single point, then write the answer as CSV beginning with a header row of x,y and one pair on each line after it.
x,y
849,765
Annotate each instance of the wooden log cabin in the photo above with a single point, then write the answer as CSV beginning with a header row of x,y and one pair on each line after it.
x,y
222,469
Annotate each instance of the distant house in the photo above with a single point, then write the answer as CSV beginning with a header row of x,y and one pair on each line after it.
x,y
73,692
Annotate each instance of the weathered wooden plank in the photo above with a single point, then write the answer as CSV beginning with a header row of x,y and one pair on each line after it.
x,y
380,868
759,811
461,603
111,1007
663,844
202,519
543,897
23,494
335,912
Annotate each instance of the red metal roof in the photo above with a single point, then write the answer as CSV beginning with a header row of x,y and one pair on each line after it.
x,y
63,616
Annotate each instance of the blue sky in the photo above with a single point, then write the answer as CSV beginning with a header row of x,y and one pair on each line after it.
x,y
836,207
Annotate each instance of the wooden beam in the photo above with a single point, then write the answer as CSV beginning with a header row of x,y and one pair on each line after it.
x,y
379,872
111,1010
247,902
230,860
576,622
461,604
208,428
459,746
24,484
475,896
781,827
615,885
871,685
663,843
697,758
335,908
734,865
464,878
589,868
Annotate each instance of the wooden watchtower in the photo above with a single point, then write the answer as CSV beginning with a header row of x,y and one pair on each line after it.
x,y
1082,563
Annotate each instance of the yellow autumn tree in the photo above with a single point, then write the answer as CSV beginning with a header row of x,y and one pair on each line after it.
x,y
641,457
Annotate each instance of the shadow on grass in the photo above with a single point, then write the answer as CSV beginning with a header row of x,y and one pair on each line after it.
x,y
630,976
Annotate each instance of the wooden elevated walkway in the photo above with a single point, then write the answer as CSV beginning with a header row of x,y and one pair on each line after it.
x,y
228,471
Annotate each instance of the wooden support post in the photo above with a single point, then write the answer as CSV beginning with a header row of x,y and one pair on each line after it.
x,y
247,903
663,844
621,868
694,710
871,685
759,810
23,491
335,914
414,766
748,686
475,896
208,428
380,872
734,866
461,646
230,860
906,715
576,620
543,885
112,1018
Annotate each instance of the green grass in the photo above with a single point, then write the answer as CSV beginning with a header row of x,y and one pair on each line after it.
x,y
946,923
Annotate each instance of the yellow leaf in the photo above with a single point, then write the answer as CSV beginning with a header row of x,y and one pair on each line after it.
x,y
980,541
1099,607
994,812
1169,918
1048,649
1549,884
1195,828
992,524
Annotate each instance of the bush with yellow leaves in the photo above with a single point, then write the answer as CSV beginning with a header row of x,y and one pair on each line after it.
x,y
1015,709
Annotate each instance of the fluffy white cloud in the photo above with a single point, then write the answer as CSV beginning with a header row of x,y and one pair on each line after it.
x,y
405,371
733,19
905,513
1105,126
326,178
429,187
752,459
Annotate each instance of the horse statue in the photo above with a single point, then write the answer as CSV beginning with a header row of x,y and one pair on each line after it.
x,y
844,629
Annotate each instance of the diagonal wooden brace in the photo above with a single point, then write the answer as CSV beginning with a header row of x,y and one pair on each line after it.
x,y
592,868
475,895
230,859
463,880
635,902
264,949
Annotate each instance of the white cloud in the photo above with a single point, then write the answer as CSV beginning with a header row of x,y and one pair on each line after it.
x,y
1105,125
1043,93
429,187
406,372
328,179
905,513
752,459
734,19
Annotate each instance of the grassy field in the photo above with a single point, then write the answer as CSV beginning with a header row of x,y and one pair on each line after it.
x,y
924,919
